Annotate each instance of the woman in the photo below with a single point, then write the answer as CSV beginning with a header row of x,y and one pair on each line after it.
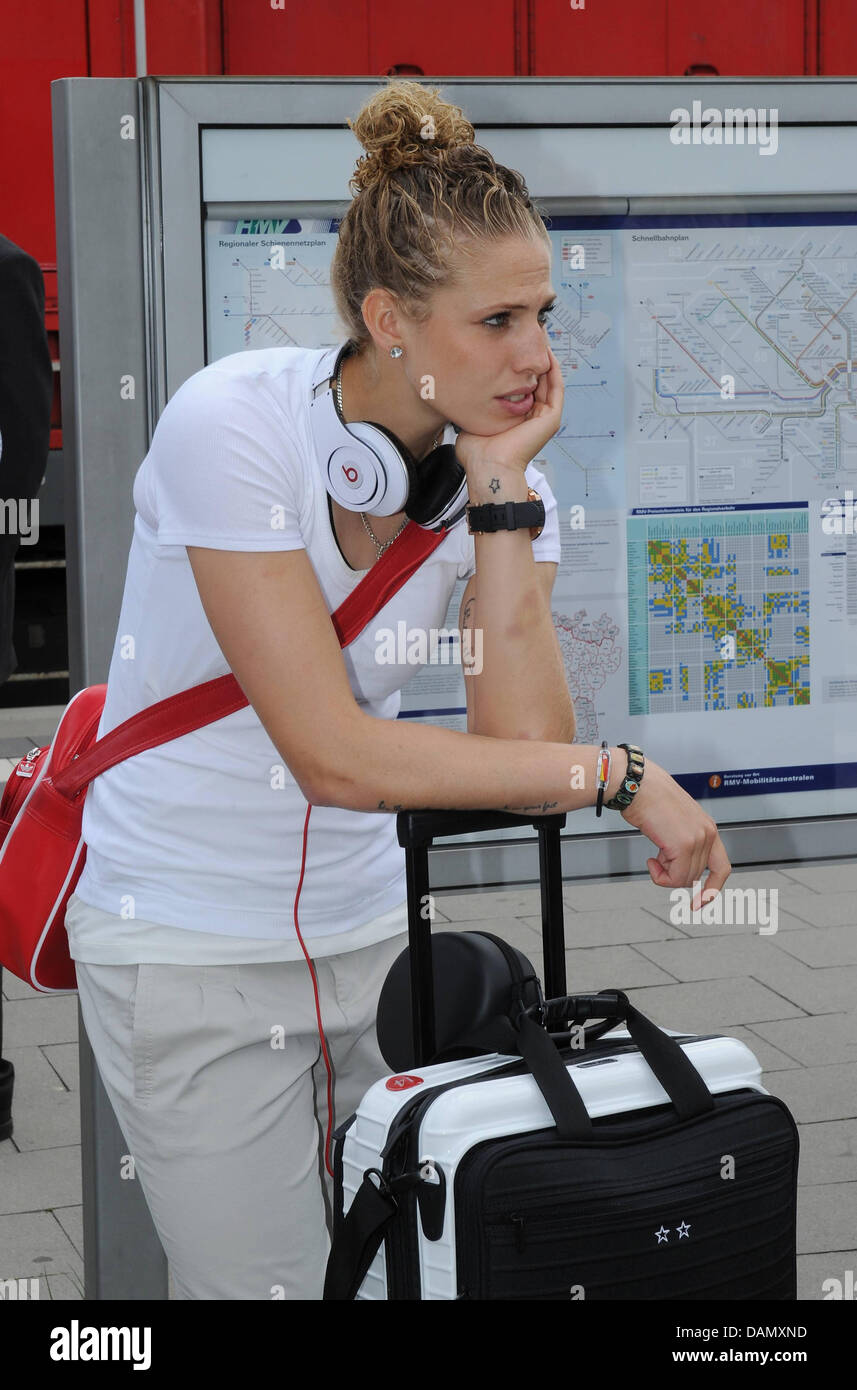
x,y
201,867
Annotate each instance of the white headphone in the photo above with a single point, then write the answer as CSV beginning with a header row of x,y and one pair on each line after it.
x,y
367,468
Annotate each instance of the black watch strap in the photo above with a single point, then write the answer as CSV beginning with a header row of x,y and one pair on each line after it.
x,y
505,516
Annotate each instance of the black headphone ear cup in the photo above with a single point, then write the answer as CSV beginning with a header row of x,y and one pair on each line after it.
x,y
440,479
473,996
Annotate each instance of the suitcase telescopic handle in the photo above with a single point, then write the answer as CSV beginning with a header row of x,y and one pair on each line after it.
x,y
416,830
667,1059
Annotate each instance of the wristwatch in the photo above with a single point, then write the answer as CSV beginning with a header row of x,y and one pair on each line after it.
x,y
508,516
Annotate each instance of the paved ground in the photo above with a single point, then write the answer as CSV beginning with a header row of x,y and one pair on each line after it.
x,y
790,995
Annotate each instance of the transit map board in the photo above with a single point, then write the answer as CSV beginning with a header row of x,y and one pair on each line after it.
x,y
705,473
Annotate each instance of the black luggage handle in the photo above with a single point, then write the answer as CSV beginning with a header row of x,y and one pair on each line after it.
x,y
665,1057
416,830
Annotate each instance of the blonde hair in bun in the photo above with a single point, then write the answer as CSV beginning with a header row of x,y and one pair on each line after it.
x,y
423,190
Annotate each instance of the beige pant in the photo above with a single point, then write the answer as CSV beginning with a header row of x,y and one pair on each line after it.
x,y
220,1089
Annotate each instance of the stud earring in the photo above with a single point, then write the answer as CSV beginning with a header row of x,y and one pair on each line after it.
x,y
395,352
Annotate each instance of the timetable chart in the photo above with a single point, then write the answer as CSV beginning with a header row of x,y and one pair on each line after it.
x,y
719,609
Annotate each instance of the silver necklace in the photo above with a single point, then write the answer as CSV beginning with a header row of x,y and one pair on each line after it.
x,y
379,546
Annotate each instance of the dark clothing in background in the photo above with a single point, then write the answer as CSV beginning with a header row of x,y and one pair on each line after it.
x,y
26,390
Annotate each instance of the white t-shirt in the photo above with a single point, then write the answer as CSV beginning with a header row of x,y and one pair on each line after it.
x,y
194,847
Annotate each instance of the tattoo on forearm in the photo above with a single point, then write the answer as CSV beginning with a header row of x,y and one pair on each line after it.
x,y
382,806
539,806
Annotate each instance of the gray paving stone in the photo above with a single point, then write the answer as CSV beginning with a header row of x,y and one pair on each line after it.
x,y
714,957
770,1058
41,737
13,988
813,990
828,990
819,1041
71,1220
65,1060
39,1179
766,876
63,1287
46,1113
28,718
826,909
611,928
506,902
697,1008
604,967
33,1244
817,1093
827,1218
15,746
818,946
829,876
47,1019
511,929
814,1271
601,894
828,1151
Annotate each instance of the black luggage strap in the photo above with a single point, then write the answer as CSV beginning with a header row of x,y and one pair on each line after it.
x,y
670,1064
361,1231
563,1098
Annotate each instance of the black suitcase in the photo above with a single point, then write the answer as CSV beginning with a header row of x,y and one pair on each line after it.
x,y
586,1163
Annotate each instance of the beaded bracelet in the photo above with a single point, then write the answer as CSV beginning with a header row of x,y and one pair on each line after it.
x,y
632,779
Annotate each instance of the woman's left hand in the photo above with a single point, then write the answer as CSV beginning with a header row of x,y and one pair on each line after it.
x,y
518,445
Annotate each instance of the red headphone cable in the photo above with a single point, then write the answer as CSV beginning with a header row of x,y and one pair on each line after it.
x,y
317,1007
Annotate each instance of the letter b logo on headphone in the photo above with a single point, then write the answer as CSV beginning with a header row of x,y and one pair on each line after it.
x,y
366,467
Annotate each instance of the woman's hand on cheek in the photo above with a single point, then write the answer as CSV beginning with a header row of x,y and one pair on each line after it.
x,y
518,444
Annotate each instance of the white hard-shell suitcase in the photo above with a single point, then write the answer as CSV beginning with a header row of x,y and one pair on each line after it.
x,y
610,1083
637,1162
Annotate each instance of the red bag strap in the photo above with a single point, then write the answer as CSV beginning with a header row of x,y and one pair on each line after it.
x,y
203,704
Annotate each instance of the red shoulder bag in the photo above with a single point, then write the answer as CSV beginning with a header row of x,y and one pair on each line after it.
x,y
42,852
